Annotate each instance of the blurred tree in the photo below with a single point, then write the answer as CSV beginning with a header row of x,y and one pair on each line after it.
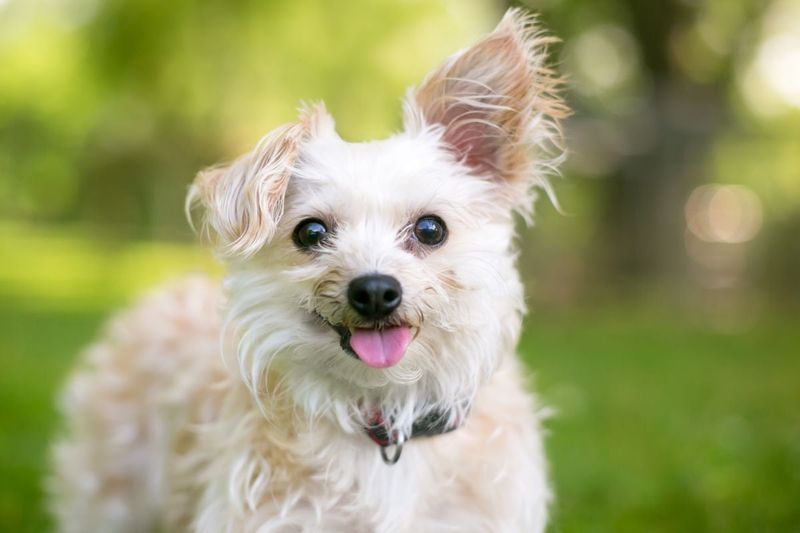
x,y
108,107
654,86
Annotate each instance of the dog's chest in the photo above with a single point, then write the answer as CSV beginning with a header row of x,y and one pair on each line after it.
x,y
370,494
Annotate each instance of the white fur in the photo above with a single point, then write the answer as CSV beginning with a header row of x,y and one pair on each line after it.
x,y
254,422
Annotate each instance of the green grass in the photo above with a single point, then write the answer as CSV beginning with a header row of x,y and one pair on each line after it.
x,y
37,349
664,426
57,285
661,426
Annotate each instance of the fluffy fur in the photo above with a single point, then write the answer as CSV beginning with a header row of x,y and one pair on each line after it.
x,y
183,420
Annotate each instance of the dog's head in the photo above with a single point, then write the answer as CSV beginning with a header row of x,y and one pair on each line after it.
x,y
384,271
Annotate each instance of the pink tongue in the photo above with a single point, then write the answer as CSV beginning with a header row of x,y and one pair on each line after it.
x,y
380,348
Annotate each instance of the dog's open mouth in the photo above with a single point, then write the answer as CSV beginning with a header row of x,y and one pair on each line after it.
x,y
377,347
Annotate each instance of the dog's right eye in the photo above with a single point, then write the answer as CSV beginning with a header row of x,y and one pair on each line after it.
x,y
309,232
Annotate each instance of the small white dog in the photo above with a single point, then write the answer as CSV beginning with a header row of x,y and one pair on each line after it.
x,y
363,377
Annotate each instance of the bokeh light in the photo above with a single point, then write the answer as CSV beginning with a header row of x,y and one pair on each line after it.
x,y
724,213
771,81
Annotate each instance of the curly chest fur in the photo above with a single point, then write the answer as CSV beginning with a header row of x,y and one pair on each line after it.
x,y
289,475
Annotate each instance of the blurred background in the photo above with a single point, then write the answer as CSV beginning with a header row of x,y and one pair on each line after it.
x,y
665,299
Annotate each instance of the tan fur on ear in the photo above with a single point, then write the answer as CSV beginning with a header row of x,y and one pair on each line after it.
x,y
498,103
243,201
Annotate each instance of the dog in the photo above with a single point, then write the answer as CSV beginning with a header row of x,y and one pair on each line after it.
x,y
356,370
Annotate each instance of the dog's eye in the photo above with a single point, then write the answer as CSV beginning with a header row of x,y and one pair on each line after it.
x,y
309,232
430,230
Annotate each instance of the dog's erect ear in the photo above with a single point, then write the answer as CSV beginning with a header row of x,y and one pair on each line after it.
x,y
497,103
242,202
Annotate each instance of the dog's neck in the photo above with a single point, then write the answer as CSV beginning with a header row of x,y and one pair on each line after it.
x,y
431,424
387,424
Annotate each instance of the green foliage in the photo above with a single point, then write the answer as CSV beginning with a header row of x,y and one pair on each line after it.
x,y
108,108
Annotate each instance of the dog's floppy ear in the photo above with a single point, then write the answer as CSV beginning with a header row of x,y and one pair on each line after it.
x,y
242,202
497,103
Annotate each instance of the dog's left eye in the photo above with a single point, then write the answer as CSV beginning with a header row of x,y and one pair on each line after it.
x,y
430,230
309,232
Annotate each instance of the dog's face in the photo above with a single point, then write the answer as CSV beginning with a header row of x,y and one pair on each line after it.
x,y
383,271
395,255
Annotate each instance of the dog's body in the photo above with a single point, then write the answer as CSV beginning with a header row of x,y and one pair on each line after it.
x,y
370,285
165,430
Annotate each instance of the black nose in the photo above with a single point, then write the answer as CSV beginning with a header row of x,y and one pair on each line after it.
x,y
375,295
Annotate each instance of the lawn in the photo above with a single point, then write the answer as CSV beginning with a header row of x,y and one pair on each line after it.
x,y
663,426
37,348
660,425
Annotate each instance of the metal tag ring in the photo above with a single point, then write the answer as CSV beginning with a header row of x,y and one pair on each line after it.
x,y
398,450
